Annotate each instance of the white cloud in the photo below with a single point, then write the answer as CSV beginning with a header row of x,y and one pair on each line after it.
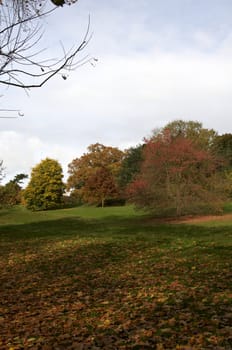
x,y
20,153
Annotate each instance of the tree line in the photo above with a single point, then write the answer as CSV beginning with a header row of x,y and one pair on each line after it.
x,y
182,168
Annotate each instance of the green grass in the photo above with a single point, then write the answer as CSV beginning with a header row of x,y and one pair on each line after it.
x,y
112,278
20,215
228,207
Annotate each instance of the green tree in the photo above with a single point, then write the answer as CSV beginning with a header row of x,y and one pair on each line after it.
x,y
45,188
192,130
11,193
19,178
130,166
82,170
222,147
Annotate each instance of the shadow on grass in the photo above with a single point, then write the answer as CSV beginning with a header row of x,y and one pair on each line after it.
x,y
110,227
112,282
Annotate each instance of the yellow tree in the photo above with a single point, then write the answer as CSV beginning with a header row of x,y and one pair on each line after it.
x,y
45,188
97,162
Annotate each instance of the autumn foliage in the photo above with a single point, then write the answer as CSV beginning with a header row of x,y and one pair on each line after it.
x,y
100,186
92,177
181,169
45,189
176,175
113,282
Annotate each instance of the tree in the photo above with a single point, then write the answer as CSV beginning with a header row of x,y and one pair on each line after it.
x,y
101,186
19,178
45,189
130,166
192,130
178,175
1,170
99,160
222,147
11,192
22,63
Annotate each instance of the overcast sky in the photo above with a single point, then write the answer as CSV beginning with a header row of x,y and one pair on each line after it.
x,y
159,60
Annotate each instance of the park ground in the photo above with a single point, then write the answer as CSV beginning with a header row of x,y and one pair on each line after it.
x,y
113,278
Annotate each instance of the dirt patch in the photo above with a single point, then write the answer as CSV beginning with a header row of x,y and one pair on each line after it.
x,y
192,219
199,219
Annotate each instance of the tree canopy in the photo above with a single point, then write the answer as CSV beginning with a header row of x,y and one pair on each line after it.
x,y
192,130
45,189
130,166
182,168
222,147
177,175
11,192
100,186
99,161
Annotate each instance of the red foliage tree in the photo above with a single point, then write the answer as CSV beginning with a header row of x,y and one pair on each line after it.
x,y
176,174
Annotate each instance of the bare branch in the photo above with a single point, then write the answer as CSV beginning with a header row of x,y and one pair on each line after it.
x,y
18,111
20,53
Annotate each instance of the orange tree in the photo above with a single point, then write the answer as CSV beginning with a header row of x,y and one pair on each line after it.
x,y
92,177
177,176
101,186
45,188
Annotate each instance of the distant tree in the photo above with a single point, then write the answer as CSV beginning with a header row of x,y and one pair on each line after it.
x,y
222,147
1,170
130,166
176,175
192,130
1,196
45,188
101,186
11,193
99,160
23,63
19,178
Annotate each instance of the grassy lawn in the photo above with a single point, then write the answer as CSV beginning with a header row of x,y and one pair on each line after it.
x,y
111,278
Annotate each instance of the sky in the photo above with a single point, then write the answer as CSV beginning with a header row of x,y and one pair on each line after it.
x,y
158,60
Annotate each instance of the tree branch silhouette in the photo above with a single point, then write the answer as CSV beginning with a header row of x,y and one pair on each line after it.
x,y
21,34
